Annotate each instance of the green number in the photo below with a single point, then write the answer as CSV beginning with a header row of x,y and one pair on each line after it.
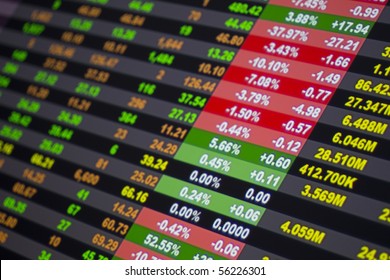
x,y
19,55
114,150
73,209
44,255
10,68
56,4
64,225
83,194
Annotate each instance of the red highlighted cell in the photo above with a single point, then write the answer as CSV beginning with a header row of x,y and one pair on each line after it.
x,y
342,8
307,36
186,232
251,133
130,251
268,64
260,117
266,99
303,53
279,84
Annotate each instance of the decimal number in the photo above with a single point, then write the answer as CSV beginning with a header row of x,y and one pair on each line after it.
x,y
124,210
115,226
358,143
358,103
23,190
342,159
325,196
152,162
104,242
38,92
73,38
327,175
303,232
97,75
181,115
114,47
192,100
42,161
8,221
89,11
174,132
34,176
133,194
144,178
55,64
161,146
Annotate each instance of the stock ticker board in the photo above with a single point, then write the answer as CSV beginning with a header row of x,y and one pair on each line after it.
x,y
194,129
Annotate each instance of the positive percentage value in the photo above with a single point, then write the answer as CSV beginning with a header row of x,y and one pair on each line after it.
x,y
303,19
215,163
162,245
195,196
225,146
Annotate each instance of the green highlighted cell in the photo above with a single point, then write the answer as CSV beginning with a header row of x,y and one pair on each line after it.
x,y
239,169
238,149
165,245
320,21
211,200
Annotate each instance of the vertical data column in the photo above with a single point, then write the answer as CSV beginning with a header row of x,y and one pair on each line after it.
x,y
270,100
177,231
342,164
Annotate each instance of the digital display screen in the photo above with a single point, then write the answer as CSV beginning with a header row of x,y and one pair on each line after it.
x,y
194,129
